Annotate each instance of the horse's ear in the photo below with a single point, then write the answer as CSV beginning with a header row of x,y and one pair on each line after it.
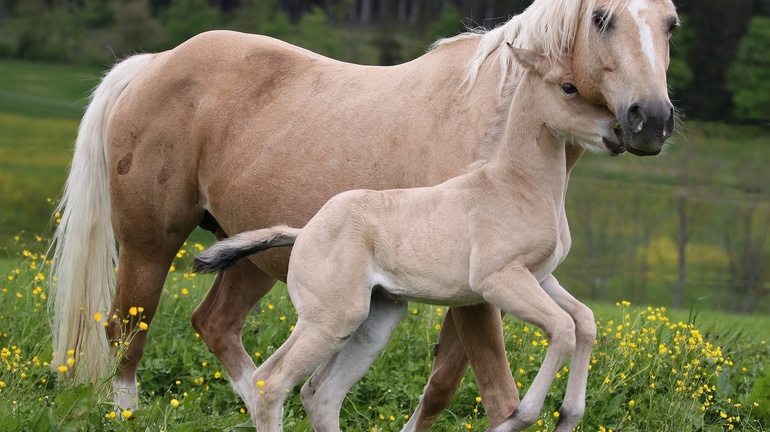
x,y
531,60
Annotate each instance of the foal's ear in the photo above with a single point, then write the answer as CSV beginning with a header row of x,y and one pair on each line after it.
x,y
531,60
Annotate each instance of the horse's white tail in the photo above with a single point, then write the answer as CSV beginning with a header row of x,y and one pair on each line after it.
x,y
85,255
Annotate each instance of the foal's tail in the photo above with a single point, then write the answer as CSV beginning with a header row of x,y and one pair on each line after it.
x,y
84,259
223,254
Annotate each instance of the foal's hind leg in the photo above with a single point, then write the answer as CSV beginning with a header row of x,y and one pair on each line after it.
x,y
315,338
220,316
324,392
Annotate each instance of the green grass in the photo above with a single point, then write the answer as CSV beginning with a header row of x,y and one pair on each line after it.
x,y
651,369
45,90
40,107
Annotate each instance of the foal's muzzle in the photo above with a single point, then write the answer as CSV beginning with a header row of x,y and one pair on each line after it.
x,y
646,126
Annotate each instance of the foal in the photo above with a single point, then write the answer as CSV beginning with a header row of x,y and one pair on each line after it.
x,y
494,235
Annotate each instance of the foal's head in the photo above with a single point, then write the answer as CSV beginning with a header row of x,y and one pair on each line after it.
x,y
569,116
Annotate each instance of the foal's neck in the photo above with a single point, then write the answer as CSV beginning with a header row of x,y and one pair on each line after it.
x,y
529,154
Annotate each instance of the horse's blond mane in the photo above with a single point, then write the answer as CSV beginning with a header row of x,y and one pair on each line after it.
x,y
547,26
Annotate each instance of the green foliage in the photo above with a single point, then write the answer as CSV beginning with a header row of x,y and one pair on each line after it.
x,y
679,72
760,392
258,16
449,23
749,76
186,18
135,29
97,13
53,34
314,33
46,102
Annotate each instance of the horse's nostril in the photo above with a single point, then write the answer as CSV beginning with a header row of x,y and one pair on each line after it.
x,y
636,118
669,129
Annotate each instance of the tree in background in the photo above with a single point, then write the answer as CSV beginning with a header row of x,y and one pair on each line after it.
x,y
186,18
449,23
135,30
679,72
749,76
46,33
717,26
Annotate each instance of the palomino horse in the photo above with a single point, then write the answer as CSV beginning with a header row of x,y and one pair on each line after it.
x,y
164,132
493,235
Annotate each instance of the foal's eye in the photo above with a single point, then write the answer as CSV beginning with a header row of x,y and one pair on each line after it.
x,y
569,89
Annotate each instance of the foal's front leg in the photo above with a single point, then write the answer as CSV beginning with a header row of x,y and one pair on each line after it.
x,y
573,406
516,291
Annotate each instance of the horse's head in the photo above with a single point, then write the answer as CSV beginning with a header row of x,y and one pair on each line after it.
x,y
620,59
548,86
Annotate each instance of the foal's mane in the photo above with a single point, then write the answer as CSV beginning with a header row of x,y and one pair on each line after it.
x,y
549,27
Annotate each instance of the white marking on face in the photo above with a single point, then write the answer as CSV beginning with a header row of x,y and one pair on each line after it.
x,y
645,32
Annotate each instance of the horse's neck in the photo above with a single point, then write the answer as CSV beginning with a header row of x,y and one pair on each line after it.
x,y
478,112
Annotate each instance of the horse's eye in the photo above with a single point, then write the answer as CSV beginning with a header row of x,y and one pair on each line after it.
x,y
569,89
601,20
673,26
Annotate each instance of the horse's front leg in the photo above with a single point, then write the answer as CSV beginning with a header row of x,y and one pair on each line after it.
x,y
475,333
481,332
448,369
573,406
220,316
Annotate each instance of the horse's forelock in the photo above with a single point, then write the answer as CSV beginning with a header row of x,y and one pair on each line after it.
x,y
547,26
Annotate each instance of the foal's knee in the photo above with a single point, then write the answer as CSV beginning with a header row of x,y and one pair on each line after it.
x,y
585,326
563,336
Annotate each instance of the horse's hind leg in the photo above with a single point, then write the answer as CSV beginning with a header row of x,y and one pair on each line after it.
x,y
141,274
324,392
150,228
449,367
220,316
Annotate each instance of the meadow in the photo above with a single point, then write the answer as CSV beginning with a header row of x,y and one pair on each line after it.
x,y
654,368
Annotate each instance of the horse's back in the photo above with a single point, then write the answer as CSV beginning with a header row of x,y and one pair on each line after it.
x,y
194,104
259,132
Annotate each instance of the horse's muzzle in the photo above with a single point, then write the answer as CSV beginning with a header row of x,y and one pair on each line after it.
x,y
646,126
